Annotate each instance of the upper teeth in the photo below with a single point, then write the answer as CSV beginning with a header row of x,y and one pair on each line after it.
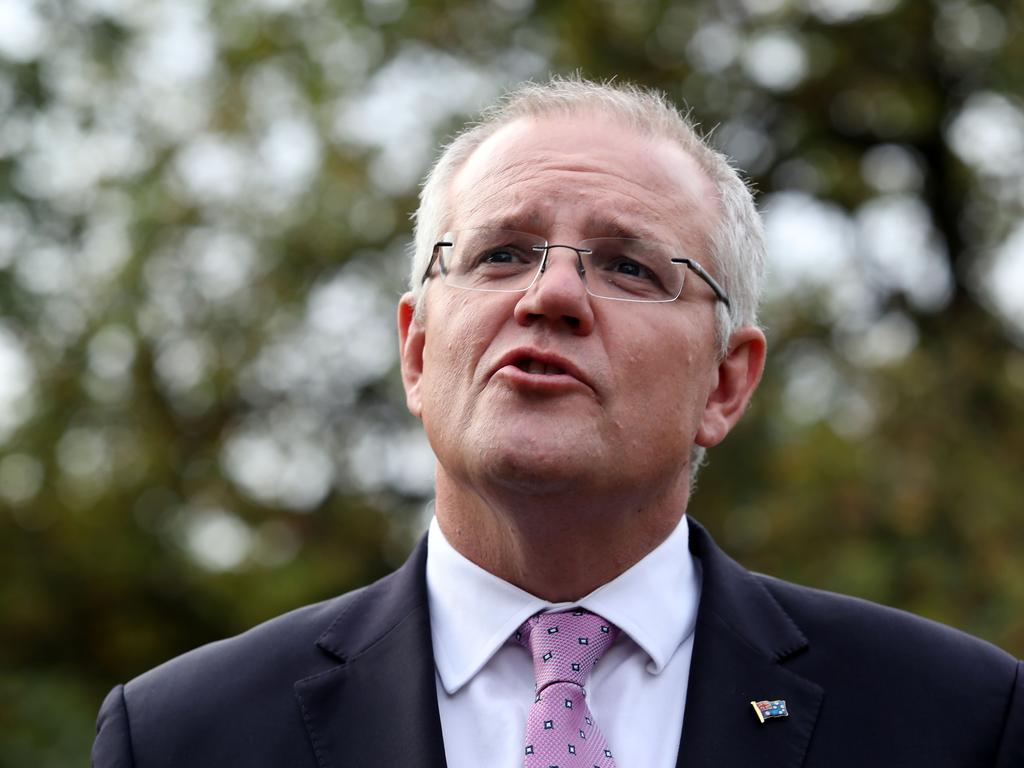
x,y
537,367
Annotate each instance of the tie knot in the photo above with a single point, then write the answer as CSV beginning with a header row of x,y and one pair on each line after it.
x,y
565,646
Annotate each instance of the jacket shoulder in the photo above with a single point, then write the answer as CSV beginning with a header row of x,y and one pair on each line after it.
x,y
955,697
295,645
234,701
282,645
229,700
873,632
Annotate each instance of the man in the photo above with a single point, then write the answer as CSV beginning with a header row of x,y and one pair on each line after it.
x,y
581,327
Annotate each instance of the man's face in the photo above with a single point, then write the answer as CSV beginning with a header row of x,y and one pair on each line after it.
x,y
553,390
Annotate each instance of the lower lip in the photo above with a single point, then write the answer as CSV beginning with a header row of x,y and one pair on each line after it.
x,y
553,383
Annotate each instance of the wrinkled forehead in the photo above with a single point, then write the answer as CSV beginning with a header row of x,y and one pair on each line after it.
x,y
621,180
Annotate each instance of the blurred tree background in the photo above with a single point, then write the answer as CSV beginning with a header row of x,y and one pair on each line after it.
x,y
203,227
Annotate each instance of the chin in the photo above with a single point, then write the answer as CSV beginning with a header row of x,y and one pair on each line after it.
x,y
532,470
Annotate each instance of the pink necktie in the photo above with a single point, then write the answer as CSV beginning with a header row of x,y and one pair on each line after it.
x,y
560,730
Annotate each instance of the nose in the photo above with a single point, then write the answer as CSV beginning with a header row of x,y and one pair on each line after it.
x,y
558,295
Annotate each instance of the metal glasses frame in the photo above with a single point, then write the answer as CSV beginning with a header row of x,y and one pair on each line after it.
x,y
691,264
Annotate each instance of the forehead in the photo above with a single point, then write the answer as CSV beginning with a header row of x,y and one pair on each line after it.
x,y
587,172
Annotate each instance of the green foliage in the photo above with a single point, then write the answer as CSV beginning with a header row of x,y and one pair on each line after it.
x,y
202,237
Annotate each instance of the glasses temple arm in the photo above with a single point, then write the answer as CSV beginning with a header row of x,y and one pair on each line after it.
x,y
433,258
703,275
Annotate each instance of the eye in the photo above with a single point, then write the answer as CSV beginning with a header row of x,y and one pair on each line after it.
x,y
501,256
505,256
630,268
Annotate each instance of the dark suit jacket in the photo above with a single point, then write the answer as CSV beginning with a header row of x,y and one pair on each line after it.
x,y
349,683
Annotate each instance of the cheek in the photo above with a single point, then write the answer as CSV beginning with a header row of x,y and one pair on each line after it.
x,y
457,339
668,385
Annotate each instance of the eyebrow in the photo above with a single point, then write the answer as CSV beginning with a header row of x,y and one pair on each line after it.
x,y
613,226
527,220
596,225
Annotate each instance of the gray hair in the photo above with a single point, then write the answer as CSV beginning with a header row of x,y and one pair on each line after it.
x,y
736,244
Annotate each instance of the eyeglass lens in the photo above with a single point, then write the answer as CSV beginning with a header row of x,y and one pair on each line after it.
x,y
613,267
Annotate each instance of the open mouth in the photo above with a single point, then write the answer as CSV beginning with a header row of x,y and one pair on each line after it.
x,y
538,368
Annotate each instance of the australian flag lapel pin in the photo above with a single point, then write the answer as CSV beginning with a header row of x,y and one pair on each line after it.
x,y
770,710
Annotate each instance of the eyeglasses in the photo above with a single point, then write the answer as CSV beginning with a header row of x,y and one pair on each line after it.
x,y
618,268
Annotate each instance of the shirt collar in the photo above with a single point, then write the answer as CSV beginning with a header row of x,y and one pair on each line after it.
x,y
473,612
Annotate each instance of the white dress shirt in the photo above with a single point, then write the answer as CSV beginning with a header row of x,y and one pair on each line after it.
x,y
485,683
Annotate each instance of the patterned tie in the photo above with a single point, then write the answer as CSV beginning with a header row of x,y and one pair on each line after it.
x,y
560,730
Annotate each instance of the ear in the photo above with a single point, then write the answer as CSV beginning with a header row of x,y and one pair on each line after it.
x,y
737,377
411,338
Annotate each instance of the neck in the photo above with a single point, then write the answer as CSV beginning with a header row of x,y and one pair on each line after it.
x,y
557,547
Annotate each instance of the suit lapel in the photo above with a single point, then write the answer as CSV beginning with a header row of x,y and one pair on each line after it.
x,y
741,643
378,706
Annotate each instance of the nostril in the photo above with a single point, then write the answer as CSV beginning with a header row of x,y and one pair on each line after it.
x,y
571,321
